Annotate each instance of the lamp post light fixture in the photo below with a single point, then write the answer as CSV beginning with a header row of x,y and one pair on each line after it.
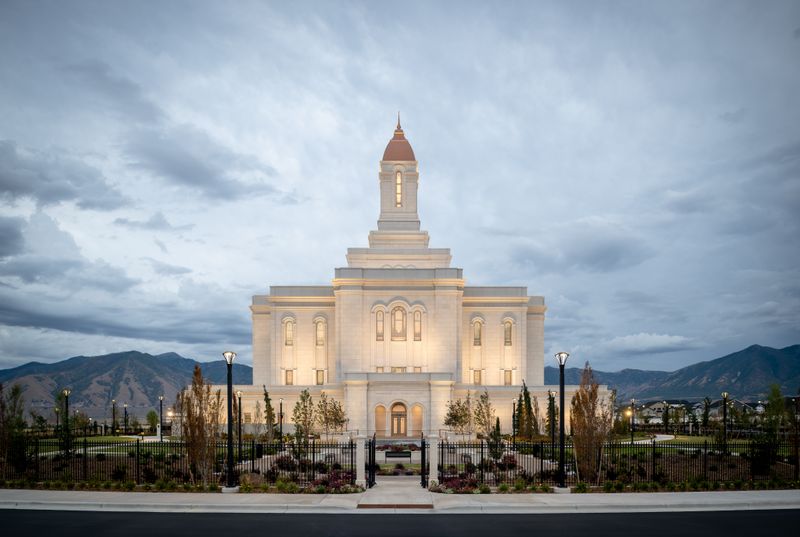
x,y
229,357
633,418
514,421
160,418
725,421
561,358
239,406
280,422
66,392
57,412
552,415
125,420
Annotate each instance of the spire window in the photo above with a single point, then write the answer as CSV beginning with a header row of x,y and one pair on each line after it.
x,y
507,333
398,190
417,326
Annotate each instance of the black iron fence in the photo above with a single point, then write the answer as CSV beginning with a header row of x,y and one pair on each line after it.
x,y
474,463
94,460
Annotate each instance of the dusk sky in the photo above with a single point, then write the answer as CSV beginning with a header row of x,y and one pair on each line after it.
x,y
637,163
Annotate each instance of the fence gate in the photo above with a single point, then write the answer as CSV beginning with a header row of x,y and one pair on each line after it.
x,y
372,465
423,467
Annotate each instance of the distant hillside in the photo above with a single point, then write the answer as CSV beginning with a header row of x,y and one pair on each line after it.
x,y
746,374
129,377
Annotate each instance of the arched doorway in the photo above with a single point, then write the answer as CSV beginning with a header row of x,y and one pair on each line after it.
x,y
399,419
380,421
416,420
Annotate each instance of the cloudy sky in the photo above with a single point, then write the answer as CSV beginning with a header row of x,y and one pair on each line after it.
x,y
637,163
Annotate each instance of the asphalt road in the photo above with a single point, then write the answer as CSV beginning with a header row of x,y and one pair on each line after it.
x,y
679,524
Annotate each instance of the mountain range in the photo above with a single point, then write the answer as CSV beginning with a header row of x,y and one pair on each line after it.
x,y
137,378
746,375
132,377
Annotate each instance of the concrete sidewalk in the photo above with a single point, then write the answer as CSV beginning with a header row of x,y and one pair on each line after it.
x,y
393,500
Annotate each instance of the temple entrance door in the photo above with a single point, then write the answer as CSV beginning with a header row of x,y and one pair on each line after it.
x,y
399,419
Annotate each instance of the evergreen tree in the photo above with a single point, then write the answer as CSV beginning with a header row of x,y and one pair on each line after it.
x,y
269,415
665,417
706,413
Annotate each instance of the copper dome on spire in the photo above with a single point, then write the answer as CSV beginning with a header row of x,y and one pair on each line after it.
x,y
398,147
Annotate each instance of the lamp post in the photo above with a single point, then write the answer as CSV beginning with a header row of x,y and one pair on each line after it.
x,y
239,406
114,417
633,418
57,411
514,421
125,420
229,357
160,418
66,392
561,357
725,421
552,415
280,422
665,417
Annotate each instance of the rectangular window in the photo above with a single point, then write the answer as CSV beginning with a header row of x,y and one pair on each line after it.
x,y
289,381
379,326
476,377
248,417
288,336
507,333
417,326
320,330
507,377
398,370
379,370
320,376
476,334
417,370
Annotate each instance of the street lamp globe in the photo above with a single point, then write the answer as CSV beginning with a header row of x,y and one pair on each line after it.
x,y
561,358
229,357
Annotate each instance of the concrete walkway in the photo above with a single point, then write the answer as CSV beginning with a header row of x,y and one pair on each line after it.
x,y
398,495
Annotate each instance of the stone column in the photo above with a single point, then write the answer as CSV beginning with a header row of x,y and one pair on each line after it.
x,y
433,459
361,461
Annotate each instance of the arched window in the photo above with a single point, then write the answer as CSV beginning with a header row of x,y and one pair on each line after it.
x,y
477,333
417,326
379,326
398,190
320,332
398,324
507,333
288,333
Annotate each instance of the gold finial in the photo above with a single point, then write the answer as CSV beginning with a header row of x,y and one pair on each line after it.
x,y
398,121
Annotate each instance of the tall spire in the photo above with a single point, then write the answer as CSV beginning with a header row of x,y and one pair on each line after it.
x,y
398,147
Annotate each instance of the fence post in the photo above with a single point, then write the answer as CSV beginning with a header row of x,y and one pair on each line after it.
x,y
480,462
360,460
705,460
653,462
137,460
252,455
36,454
433,457
85,457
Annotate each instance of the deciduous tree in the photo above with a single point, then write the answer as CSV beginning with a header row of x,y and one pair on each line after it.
x,y
591,424
198,412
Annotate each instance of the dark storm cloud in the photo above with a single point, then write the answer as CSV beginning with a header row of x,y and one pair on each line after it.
x,y
165,269
11,239
188,157
157,222
50,178
121,93
733,117
585,247
73,274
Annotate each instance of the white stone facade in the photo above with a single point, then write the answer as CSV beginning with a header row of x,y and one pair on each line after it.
x,y
398,333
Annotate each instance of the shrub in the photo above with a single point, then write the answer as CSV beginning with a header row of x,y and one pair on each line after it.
x,y
119,472
581,487
484,488
100,457
503,488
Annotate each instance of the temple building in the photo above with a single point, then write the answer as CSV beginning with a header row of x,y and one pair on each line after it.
x,y
397,333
